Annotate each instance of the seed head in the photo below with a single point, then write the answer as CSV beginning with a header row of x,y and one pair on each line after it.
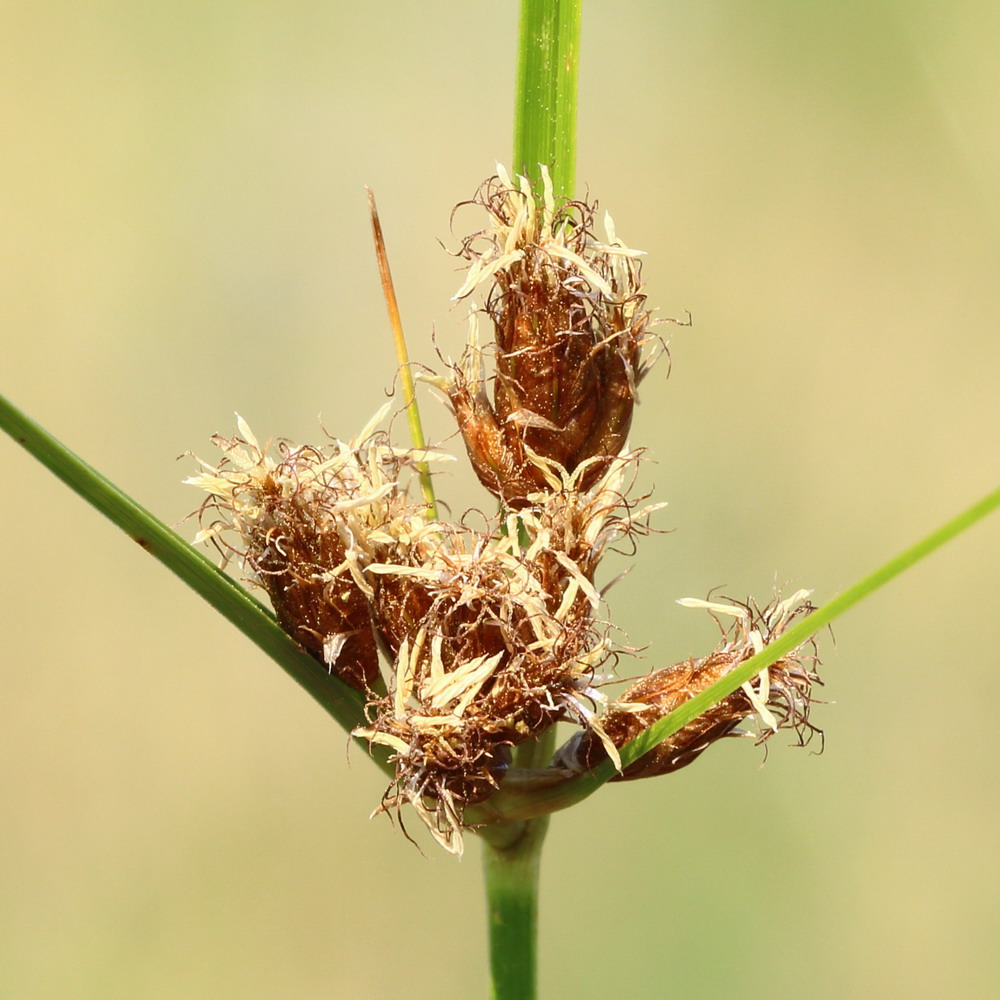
x,y
569,323
491,636
778,698
307,521
494,642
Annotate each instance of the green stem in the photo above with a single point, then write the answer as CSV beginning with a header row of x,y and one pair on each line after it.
x,y
197,571
511,874
533,795
545,108
544,133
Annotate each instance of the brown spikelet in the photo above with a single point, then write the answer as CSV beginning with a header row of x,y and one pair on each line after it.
x,y
325,611
308,521
499,644
569,322
779,698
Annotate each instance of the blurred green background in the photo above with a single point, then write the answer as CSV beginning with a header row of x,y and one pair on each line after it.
x,y
184,234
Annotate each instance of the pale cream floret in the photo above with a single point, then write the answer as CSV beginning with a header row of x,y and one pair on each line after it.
x,y
527,225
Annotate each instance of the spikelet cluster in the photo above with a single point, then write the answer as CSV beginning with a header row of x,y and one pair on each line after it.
x,y
497,637
467,643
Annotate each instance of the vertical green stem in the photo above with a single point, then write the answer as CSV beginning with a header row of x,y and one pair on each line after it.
x,y
544,133
511,873
545,109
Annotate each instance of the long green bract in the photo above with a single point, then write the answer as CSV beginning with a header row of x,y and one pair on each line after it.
x,y
194,568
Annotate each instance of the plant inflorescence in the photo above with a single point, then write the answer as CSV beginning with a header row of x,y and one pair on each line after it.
x,y
470,642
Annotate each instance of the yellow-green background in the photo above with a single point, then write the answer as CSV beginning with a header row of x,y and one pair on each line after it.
x,y
184,234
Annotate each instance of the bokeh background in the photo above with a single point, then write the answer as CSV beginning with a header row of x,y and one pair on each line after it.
x,y
184,235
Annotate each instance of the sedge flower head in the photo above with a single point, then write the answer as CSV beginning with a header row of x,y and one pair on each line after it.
x,y
468,643
569,326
